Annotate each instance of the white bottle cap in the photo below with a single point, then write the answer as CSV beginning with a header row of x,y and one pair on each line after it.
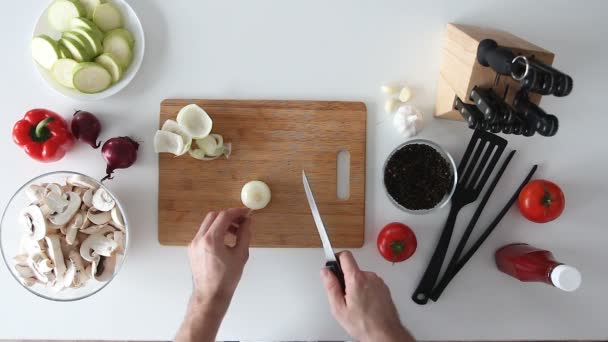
x,y
566,278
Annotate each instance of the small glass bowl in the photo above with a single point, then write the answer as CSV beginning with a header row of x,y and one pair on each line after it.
x,y
444,154
11,233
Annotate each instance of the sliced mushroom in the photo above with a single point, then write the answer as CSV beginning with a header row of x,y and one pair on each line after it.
x,y
74,226
67,248
56,202
28,282
82,181
29,246
67,188
61,218
98,217
35,193
103,268
51,279
53,188
50,225
76,275
117,219
24,271
56,256
20,260
98,229
87,198
99,244
32,219
46,211
41,266
119,237
50,229
79,190
102,200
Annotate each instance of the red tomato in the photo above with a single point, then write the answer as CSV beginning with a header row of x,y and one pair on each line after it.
x,y
541,201
396,242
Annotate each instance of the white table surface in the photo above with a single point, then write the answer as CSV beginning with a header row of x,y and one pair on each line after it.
x,y
334,50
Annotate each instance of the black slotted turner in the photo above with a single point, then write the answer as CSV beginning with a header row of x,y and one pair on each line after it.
x,y
473,173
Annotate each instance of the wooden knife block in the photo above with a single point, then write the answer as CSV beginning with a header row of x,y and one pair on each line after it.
x,y
460,72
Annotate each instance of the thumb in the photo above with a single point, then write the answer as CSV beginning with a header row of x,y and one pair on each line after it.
x,y
333,290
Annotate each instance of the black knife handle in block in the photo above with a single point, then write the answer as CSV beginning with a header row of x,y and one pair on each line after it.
x,y
545,80
336,269
498,58
485,104
536,118
469,112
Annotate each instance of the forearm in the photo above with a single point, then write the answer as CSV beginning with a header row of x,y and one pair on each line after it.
x,y
202,320
397,333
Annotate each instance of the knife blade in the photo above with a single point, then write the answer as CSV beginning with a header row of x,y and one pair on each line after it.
x,y
332,262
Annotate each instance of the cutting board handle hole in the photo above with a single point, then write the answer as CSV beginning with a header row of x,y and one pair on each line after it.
x,y
343,175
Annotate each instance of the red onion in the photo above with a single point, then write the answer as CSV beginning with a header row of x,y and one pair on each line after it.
x,y
119,153
86,127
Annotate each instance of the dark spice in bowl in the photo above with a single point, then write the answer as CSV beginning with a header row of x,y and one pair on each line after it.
x,y
418,177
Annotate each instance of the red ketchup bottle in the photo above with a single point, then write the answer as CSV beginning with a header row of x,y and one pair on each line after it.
x,y
531,264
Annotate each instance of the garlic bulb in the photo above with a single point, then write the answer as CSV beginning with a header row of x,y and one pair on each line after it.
x,y
408,120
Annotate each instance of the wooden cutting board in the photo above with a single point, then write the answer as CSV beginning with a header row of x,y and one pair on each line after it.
x,y
272,142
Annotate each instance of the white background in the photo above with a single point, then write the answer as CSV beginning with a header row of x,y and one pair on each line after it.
x,y
334,50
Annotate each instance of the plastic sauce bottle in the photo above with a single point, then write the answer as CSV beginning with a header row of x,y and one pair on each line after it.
x,y
531,264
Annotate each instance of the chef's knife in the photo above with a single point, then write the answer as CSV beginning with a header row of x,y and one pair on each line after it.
x,y
332,261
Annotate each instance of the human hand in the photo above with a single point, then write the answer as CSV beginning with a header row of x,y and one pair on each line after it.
x,y
367,311
216,267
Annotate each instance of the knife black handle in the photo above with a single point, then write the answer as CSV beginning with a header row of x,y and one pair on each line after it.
x,y
492,55
336,269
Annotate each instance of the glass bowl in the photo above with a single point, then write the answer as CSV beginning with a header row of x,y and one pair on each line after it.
x,y
444,154
12,231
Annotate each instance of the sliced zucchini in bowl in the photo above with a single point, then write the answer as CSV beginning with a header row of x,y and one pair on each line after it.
x,y
63,71
89,6
90,49
84,23
92,39
107,17
108,61
123,33
118,46
61,12
64,52
91,78
78,51
45,51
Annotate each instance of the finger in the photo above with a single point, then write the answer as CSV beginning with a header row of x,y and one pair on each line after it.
x,y
371,275
348,263
243,234
333,289
202,230
224,221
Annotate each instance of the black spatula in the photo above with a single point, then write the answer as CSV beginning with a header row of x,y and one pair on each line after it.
x,y
480,158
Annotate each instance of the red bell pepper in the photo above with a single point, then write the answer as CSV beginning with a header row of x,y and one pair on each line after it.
x,y
43,135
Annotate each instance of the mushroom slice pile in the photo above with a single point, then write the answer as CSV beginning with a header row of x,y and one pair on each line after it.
x,y
72,233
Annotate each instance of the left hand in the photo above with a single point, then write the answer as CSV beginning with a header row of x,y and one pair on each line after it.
x,y
216,267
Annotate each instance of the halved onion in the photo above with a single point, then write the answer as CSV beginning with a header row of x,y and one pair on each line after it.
x,y
167,142
173,127
195,121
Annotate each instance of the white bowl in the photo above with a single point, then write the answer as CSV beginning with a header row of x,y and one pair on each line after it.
x,y
131,23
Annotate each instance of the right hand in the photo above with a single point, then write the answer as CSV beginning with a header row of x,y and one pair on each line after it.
x,y
367,311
